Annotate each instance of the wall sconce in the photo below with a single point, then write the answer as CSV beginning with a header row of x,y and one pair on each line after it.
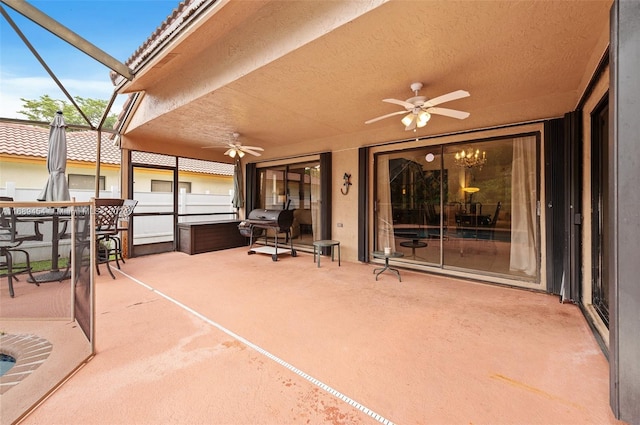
x,y
347,182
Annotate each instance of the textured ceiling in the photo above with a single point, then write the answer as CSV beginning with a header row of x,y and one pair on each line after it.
x,y
294,78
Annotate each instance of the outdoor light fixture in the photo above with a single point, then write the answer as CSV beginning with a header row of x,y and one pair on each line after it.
x,y
422,118
234,152
407,119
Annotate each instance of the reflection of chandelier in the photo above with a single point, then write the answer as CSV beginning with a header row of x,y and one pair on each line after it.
x,y
470,158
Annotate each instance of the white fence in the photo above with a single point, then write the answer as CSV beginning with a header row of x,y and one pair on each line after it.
x,y
147,229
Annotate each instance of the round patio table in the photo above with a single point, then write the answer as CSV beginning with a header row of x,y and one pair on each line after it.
x,y
381,254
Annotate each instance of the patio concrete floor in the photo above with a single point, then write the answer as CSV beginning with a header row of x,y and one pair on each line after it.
x,y
227,338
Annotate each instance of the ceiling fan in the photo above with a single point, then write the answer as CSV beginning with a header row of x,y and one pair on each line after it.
x,y
418,109
236,148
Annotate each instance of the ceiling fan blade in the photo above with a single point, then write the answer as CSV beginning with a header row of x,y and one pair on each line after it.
x,y
250,152
454,95
448,113
404,104
255,148
413,122
385,116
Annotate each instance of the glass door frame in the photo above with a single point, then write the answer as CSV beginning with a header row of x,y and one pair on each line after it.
x,y
439,145
324,159
287,199
599,187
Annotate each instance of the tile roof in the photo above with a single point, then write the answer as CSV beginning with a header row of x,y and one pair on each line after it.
x,y
29,140
33,141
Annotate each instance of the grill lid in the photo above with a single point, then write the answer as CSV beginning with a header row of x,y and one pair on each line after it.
x,y
281,218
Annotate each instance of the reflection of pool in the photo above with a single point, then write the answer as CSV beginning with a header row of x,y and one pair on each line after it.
x,y
6,363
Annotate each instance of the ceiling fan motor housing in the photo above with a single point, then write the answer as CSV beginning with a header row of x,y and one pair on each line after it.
x,y
416,87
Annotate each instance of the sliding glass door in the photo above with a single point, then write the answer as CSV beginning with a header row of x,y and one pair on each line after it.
x,y
296,187
470,206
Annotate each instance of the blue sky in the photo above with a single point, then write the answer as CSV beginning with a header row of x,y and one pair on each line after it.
x,y
118,27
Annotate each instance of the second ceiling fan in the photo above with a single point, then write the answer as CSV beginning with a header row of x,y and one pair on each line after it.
x,y
237,148
418,109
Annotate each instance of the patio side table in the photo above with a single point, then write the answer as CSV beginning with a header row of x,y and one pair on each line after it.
x,y
381,254
325,243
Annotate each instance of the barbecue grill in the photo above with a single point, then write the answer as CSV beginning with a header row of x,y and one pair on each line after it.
x,y
279,221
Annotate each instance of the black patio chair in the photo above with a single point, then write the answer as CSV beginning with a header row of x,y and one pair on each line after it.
x,y
123,226
106,221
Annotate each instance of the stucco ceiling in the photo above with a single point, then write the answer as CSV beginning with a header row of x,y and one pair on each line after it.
x,y
242,70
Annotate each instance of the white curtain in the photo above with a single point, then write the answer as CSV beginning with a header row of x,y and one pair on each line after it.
x,y
315,201
523,207
385,215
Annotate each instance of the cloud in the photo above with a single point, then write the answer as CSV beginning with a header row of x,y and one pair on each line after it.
x,y
12,89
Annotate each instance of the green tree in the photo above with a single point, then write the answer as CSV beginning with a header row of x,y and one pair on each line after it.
x,y
45,108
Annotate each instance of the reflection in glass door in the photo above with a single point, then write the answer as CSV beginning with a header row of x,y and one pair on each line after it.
x,y
470,206
296,187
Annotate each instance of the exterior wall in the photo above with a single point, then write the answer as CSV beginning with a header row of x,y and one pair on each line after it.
x,y
345,207
31,173
200,183
23,173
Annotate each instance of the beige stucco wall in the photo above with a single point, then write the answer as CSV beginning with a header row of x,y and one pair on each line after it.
x,y
200,183
32,173
345,219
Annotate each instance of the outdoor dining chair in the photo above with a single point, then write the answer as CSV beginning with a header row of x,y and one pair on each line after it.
x,y
123,226
10,240
106,222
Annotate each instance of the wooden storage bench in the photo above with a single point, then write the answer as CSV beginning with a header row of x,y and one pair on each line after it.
x,y
205,236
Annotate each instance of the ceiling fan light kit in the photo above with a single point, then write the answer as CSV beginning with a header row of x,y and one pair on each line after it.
x,y
235,148
420,109
233,152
